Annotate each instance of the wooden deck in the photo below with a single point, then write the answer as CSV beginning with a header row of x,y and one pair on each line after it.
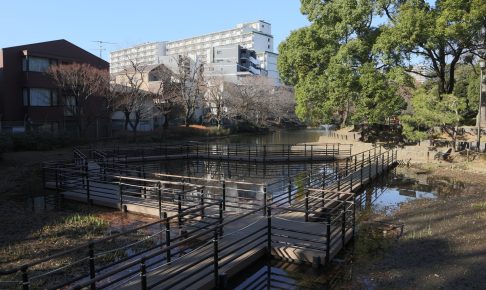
x,y
311,225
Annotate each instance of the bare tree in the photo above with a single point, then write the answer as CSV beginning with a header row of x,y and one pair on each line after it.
x,y
190,85
249,100
79,84
129,95
216,98
282,104
164,88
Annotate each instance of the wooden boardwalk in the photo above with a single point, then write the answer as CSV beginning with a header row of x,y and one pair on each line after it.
x,y
309,224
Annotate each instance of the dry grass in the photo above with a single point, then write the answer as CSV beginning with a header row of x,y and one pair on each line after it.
x,y
28,236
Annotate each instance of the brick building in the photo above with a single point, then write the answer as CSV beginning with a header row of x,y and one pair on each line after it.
x,y
29,100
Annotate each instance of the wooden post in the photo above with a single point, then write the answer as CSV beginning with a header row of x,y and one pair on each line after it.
x,y
201,196
159,193
167,238
289,189
120,191
264,201
179,210
354,215
369,166
269,232
25,278
306,205
221,218
328,237
224,195
88,193
92,271
143,274
216,259
343,226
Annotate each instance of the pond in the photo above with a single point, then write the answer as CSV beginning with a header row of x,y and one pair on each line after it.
x,y
277,137
384,196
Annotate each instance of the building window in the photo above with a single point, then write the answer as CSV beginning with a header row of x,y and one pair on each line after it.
x,y
37,97
37,64
268,46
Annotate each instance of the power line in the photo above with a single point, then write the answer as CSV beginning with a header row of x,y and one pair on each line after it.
x,y
101,47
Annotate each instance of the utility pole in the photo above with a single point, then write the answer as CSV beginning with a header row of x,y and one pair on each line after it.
x,y
101,47
482,65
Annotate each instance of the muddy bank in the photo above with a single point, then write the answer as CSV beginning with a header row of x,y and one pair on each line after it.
x,y
443,245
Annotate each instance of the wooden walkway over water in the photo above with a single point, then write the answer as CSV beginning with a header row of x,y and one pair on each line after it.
x,y
212,233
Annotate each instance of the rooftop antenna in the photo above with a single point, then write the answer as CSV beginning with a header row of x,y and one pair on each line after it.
x,y
101,47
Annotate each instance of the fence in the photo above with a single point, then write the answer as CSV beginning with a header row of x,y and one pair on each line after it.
x,y
211,238
250,152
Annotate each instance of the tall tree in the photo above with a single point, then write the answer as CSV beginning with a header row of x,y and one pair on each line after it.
x,y
250,100
164,88
441,35
190,87
130,96
79,84
216,98
430,111
328,61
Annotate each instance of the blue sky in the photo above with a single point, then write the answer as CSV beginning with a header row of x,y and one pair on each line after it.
x,y
132,22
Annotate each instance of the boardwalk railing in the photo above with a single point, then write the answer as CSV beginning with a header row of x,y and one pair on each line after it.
x,y
203,240
249,152
94,258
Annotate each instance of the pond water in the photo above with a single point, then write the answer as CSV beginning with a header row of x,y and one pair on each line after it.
x,y
384,196
277,137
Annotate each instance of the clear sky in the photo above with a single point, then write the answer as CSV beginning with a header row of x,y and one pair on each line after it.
x,y
132,22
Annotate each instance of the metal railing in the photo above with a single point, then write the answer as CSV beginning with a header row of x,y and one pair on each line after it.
x,y
202,222
249,152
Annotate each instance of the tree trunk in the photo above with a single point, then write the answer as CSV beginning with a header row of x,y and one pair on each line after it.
x,y
127,120
345,115
166,122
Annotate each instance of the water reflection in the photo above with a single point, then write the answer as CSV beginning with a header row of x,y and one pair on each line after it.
x,y
387,193
280,275
278,137
384,196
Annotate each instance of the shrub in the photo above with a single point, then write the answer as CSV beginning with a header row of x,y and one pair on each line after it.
x,y
36,141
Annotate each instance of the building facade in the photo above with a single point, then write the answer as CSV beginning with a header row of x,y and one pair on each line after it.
x,y
144,54
255,36
29,99
231,62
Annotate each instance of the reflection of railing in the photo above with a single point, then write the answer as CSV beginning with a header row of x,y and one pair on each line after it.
x,y
211,239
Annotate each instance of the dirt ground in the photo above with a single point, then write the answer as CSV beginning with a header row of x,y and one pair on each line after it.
x,y
26,234
443,246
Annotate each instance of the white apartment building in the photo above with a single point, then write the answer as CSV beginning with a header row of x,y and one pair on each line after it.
x,y
268,63
256,36
146,54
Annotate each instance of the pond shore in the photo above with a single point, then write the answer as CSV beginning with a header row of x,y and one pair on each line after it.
x,y
442,246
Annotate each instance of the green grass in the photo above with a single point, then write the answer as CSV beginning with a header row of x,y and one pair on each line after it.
x,y
75,226
479,205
